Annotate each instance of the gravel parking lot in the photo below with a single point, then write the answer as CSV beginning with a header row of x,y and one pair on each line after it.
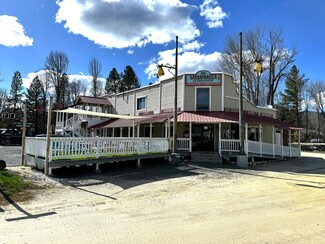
x,y
277,202
11,154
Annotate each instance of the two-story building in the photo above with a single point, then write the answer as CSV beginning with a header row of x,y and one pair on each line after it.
x,y
207,117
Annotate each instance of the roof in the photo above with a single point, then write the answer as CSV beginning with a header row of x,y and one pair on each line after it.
x,y
197,117
114,123
93,100
231,117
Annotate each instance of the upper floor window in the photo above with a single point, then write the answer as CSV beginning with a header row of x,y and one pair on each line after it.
x,y
141,103
202,99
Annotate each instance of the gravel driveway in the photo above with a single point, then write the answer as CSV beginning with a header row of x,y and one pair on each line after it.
x,y
11,154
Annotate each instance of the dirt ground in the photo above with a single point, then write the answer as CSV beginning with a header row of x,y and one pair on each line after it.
x,y
275,202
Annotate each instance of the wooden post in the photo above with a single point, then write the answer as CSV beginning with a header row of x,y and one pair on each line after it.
x,y
48,138
23,136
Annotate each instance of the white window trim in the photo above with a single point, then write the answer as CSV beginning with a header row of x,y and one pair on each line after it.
x,y
146,102
207,87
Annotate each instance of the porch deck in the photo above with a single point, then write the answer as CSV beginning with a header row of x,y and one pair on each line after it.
x,y
70,151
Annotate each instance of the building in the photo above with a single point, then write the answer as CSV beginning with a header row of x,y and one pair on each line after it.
x,y
207,117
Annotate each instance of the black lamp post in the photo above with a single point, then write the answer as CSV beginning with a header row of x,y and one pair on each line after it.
x,y
161,73
241,107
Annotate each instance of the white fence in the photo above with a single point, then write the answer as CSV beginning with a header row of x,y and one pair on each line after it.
x,y
78,147
260,148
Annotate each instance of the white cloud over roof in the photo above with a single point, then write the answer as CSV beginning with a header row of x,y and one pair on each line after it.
x,y
188,62
12,33
212,13
125,23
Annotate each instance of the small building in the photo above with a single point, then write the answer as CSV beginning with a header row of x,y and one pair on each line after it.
x,y
207,117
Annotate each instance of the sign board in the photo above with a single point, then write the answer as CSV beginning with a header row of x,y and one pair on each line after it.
x,y
203,78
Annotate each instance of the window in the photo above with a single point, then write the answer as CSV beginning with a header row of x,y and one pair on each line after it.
x,y
202,99
141,103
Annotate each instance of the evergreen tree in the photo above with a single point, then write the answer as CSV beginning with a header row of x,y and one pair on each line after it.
x,y
35,104
15,94
129,79
113,82
293,95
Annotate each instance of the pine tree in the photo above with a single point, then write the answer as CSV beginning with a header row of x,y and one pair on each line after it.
x,y
15,94
129,79
35,104
113,82
293,95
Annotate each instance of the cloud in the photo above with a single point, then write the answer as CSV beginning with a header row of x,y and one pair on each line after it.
x,y
125,23
85,79
188,62
212,13
12,33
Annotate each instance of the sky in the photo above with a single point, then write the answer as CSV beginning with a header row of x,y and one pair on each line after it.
x,y
141,33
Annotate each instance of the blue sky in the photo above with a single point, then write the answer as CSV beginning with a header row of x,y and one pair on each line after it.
x,y
142,33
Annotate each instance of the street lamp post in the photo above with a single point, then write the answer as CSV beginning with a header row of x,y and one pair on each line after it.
x,y
161,73
242,159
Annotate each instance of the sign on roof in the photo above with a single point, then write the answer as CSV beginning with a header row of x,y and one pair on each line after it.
x,y
203,78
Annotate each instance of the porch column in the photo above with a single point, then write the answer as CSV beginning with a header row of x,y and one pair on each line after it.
x,y
63,123
73,125
290,143
273,142
133,132
138,131
168,134
299,146
190,137
113,132
129,131
166,130
219,138
150,134
246,139
260,139
282,143
121,131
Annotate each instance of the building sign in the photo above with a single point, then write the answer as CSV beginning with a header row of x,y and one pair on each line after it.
x,y
203,78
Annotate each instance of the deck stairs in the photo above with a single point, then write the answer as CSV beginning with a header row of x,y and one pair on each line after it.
x,y
205,157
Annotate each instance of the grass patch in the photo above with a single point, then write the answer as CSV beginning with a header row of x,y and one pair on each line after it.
x,y
15,187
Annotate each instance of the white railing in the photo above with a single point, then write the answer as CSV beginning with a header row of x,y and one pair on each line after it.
x,y
35,146
260,148
78,147
183,144
230,145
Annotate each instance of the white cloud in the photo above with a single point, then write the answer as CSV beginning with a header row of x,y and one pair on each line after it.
x,y
85,79
12,33
188,62
125,23
213,13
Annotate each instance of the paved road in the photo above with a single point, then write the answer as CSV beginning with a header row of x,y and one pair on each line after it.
x,y
11,154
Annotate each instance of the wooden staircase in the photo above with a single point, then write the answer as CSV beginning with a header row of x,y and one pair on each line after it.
x,y
205,157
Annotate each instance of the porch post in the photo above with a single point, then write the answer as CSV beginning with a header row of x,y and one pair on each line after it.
x,y
273,145
190,137
299,146
219,138
260,137
246,139
121,132
282,143
290,143
113,133
138,131
129,131
150,130
133,132
168,134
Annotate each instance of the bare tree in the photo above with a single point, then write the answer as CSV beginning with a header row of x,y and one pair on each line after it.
x,y
76,88
94,69
259,45
316,91
3,99
56,65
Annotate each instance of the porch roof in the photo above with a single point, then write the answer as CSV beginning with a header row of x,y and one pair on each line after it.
x,y
92,100
231,117
113,123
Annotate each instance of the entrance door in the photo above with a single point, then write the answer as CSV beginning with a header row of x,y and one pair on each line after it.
x,y
202,137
